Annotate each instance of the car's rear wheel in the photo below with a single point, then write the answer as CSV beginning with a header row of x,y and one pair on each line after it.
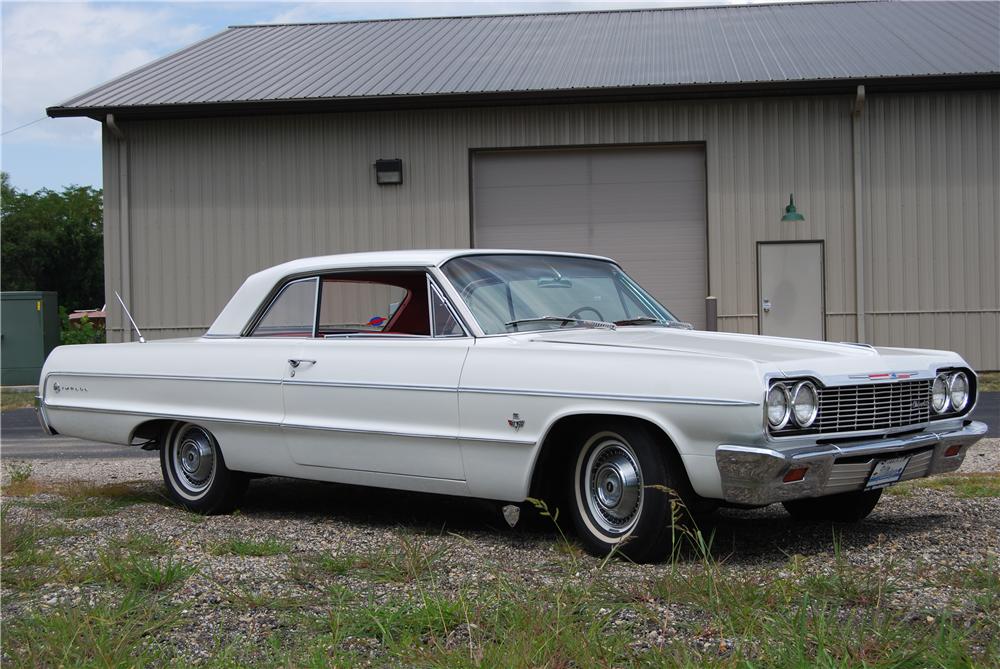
x,y
195,471
847,507
625,492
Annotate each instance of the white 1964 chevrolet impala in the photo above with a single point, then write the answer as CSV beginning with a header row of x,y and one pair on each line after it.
x,y
513,374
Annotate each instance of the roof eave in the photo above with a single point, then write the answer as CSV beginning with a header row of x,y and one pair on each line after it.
x,y
504,98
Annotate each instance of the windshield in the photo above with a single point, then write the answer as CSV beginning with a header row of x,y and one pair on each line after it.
x,y
518,293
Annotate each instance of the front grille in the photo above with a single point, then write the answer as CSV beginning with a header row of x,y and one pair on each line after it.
x,y
873,406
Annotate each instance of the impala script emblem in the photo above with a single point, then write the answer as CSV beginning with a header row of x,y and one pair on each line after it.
x,y
57,387
516,422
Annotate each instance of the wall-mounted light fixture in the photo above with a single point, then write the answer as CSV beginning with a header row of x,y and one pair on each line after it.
x,y
791,215
389,172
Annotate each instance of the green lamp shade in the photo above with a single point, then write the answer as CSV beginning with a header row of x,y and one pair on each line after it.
x,y
790,214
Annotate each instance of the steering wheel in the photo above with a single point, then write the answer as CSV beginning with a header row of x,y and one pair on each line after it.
x,y
577,312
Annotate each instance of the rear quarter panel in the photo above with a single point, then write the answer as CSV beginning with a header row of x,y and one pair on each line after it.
x,y
103,392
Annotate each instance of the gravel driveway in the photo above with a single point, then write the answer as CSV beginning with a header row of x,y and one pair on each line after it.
x,y
259,580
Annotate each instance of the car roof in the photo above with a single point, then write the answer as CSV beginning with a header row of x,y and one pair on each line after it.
x,y
244,303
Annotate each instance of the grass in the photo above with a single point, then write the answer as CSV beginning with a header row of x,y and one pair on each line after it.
x,y
399,606
107,634
250,547
244,597
136,566
406,561
135,563
989,382
20,483
967,485
16,400
74,500
20,472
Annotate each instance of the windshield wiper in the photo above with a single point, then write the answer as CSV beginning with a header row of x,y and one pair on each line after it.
x,y
562,320
650,321
639,321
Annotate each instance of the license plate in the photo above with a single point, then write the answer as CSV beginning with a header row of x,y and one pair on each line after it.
x,y
886,472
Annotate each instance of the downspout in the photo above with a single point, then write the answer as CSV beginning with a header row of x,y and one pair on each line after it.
x,y
124,219
859,228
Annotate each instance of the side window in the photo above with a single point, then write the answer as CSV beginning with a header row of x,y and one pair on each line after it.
x,y
348,306
292,313
443,321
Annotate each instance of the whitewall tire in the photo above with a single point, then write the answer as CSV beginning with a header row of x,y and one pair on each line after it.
x,y
195,472
626,482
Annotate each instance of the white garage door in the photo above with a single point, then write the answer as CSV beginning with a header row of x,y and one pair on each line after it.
x,y
643,206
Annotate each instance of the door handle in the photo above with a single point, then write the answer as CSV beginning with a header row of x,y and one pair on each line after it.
x,y
766,305
295,362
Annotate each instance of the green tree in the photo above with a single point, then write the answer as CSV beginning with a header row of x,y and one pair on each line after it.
x,y
53,241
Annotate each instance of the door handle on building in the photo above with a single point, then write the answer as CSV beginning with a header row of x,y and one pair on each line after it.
x,y
766,305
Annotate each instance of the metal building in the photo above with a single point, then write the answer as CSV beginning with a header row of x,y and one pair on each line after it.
x,y
669,139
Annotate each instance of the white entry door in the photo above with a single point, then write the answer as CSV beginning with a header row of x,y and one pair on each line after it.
x,y
375,388
790,289
379,404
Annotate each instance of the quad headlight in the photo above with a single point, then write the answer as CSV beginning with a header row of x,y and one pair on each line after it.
x,y
805,403
792,404
958,391
939,394
950,392
778,406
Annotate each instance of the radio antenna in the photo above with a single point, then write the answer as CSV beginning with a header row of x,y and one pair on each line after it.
x,y
142,340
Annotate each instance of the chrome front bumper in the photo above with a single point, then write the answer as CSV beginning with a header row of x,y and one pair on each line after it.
x,y
755,475
42,418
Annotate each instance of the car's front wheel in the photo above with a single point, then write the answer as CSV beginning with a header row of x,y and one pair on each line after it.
x,y
625,492
195,471
847,507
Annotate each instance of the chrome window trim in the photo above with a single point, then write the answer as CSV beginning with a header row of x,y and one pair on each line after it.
x,y
375,336
634,289
448,291
432,289
277,295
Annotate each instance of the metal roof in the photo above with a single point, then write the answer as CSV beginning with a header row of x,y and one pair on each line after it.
x,y
561,55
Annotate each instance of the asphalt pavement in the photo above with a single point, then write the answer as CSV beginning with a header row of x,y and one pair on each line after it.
x,y
22,438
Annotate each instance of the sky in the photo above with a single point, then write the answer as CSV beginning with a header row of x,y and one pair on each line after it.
x,y
52,51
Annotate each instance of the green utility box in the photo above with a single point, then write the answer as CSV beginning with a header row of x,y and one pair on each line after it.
x,y
29,322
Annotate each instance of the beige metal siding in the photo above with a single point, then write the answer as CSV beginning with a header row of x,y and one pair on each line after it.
x,y
213,200
643,206
932,207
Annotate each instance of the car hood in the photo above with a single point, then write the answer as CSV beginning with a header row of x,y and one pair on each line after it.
x,y
781,354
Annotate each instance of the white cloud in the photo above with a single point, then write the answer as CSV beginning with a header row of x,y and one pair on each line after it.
x,y
54,51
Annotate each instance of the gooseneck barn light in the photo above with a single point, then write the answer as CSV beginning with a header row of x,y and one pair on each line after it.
x,y
790,214
389,172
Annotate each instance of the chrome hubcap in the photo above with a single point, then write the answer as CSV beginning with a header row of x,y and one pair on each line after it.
x,y
613,481
194,459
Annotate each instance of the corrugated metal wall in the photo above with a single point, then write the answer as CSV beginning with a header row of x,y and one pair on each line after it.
x,y
932,195
211,200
